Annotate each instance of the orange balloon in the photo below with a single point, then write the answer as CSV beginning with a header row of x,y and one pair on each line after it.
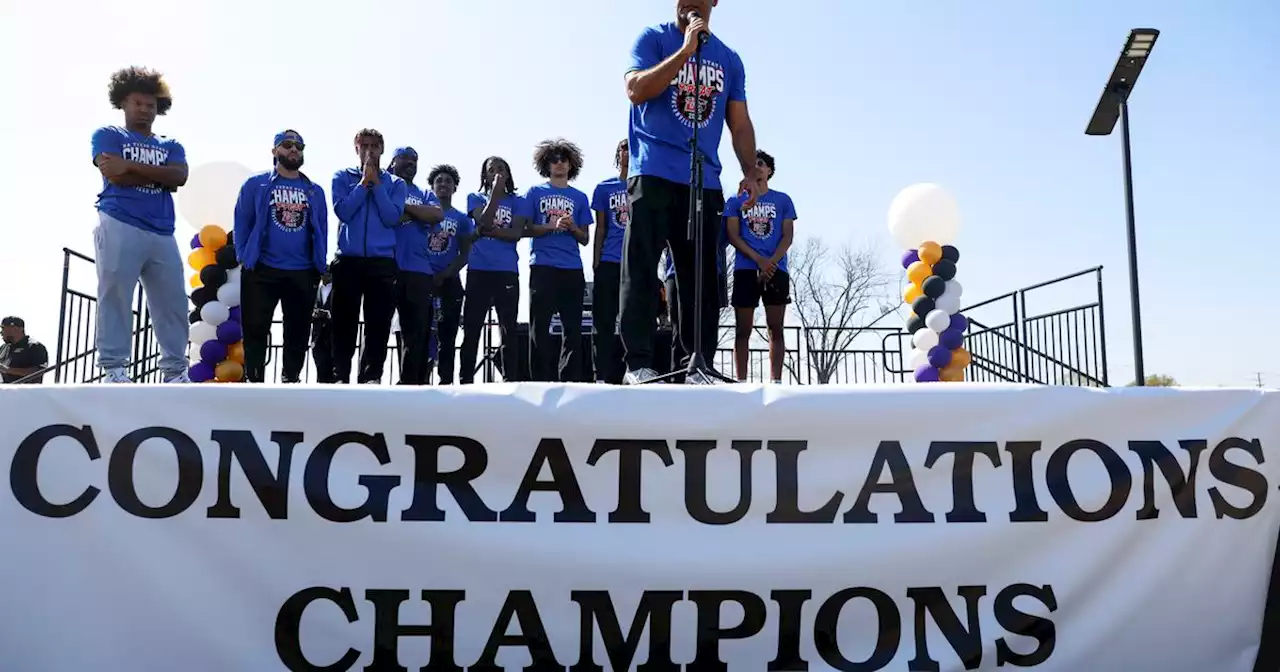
x,y
195,281
930,252
235,353
918,272
228,371
200,257
912,292
212,238
949,375
960,358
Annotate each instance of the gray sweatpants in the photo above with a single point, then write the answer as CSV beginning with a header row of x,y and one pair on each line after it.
x,y
126,254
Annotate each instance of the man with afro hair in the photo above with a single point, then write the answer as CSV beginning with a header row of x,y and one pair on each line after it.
x,y
134,240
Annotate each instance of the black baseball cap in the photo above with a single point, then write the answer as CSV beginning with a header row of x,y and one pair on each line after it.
x,y
13,322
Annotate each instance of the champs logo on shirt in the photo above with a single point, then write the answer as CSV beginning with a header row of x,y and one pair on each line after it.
x,y
150,155
684,89
553,208
502,217
620,206
438,241
759,219
289,208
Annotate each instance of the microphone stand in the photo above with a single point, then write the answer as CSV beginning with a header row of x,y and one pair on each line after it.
x,y
697,364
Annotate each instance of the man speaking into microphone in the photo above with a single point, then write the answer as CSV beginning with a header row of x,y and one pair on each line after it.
x,y
663,83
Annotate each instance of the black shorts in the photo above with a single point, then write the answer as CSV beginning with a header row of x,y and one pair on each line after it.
x,y
749,293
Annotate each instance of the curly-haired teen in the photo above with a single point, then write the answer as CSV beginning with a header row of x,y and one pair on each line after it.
x,y
134,239
557,217
493,270
449,245
369,203
613,212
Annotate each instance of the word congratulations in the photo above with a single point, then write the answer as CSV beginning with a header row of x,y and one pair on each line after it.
x,y
1230,465
655,613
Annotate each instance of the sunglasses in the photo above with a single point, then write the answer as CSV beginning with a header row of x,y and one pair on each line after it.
x,y
293,144
558,158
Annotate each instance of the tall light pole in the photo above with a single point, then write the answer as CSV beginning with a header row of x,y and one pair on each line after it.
x,y
1114,105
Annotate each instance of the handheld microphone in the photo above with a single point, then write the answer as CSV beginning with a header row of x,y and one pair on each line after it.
x,y
704,35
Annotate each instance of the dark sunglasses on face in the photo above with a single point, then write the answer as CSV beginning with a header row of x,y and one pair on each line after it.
x,y
290,144
559,158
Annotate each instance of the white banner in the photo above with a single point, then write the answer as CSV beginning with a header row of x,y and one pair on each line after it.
x,y
958,527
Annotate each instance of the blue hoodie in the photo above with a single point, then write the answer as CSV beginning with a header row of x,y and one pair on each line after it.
x,y
369,216
254,218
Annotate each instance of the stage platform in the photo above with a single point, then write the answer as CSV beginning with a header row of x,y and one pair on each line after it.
x,y
944,526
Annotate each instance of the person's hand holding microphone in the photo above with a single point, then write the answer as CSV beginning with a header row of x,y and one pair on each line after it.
x,y
695,34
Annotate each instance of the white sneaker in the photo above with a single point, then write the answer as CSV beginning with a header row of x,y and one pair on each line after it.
x,y
178,379
639,376
117,376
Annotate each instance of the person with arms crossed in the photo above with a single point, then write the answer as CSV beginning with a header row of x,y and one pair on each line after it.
x,y
281,239
761,234
369,203
613,211
557,217
661,85
449,246
493,270
134,238
21,357
411,320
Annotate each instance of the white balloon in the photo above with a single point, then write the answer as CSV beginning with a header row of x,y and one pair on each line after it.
x,y
925,339
229,294
215,313
923,212
954,288
937,321
948,302
209,196
233,277
919,358
201,332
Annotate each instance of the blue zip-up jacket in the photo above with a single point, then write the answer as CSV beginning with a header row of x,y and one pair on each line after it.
x,y
368,217
253,217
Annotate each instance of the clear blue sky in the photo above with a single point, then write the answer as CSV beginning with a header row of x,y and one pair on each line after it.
x,y
856,99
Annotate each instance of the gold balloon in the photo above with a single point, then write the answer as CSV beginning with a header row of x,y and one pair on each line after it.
x,y
949,375
195,281
912,292
918,272
930,252
960,359
212,238
235,353
200,257
228,371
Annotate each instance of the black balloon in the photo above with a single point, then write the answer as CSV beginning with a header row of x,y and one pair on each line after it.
x,y
231,240
226,257
203,295
923,306
933,287
950,253
194,316
916,323
213,276
945,269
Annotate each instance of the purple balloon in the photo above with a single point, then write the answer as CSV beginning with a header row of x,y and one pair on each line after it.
x,y
200,372
230,332
195,242
927,374
911,257
234,315
959,322
939,356
951,339
213,352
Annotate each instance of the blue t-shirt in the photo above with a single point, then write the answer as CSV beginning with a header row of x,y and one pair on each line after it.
x,y
288,243
662,127
546,203
611,198
443,237
149,208
412,236
491,254
761,226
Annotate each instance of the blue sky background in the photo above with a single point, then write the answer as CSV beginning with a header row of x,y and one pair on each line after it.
x,y
856,99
